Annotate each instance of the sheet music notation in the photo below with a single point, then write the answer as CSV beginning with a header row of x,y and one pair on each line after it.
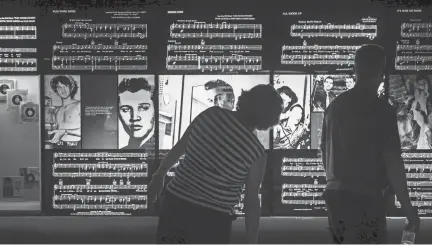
x,y
99,30
11,63
215,30
94,63
416,30
302,202
228,43
214,62
413,51
334,31
342,55
102,180
419,180
18,28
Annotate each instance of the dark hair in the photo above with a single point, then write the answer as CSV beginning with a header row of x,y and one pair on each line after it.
x,y
328,77
66,80
423,77
261,106
215,84
370,61
290,93
136,84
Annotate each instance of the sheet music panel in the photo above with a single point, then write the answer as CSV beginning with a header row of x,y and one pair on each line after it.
x,y
18,44
100,183
99,41
314,40
298,183
411,37
223,41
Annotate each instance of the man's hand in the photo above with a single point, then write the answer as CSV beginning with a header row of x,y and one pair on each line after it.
x,y
155,187
413,221
58,134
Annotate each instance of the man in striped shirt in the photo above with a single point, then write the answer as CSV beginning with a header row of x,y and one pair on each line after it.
x,y
221,154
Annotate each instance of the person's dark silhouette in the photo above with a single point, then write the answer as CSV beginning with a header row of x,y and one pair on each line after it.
x,y
221,155
361,153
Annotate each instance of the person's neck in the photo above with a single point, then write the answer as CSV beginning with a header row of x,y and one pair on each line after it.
x,y
242,120
67,101
367,87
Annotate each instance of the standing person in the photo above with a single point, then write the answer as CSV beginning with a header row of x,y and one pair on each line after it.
x,y
361,150
221,155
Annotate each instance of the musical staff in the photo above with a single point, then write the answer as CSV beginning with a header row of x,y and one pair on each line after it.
x,y
413,51
91,30
214,62
95,175
101,198
233,45
17,32
303,174
101,155
302,194
99,63
303,202
102,206
303,186
142,188
18,64
302,168
319,55
416,30
217,30
98,47
100,180
334,31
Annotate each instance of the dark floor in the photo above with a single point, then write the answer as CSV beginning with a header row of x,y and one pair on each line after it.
x,y
276,230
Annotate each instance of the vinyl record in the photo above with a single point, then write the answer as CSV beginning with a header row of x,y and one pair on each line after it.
x,y
30,112
17,99
4,88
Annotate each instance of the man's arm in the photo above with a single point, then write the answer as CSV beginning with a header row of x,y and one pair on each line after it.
x,y
324,140
395,168
174,154
251,203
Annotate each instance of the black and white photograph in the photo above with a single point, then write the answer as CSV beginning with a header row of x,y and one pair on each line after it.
x,y
137,100
327,87
293,130
20,141
62,112
170,94
324,90
411,96
203,91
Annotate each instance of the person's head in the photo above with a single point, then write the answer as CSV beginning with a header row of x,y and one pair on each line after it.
x,y
328,84
349,82
260,107
297,115
422,83
221,94
288,96
64,86
369,65
136,106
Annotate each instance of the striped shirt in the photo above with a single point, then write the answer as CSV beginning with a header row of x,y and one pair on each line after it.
x,y
219,154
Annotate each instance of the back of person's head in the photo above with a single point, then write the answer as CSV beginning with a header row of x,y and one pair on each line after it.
x,y
369,62
260,107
